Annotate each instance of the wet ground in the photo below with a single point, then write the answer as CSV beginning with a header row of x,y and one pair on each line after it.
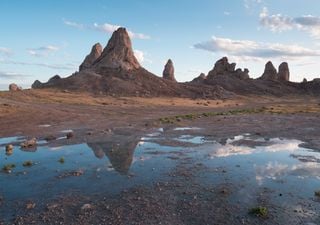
x,y
173,175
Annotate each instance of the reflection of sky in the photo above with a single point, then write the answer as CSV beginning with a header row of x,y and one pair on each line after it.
x,y
275,170
276,145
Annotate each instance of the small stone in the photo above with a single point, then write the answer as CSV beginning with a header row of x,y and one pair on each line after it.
x,y
30,205
86,207
29,143
9,149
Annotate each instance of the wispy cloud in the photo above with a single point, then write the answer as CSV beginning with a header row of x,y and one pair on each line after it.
x,y
281,23
43,50
5,51
141,56
67,66
10,75
106,28
248,4
255,50
73,24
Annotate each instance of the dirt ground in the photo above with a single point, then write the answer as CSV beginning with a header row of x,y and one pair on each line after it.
x,y
181,199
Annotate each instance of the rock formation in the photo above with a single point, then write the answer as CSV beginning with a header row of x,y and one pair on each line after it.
x,y
304,80
14,87
284,73
270,72
118,54
168,72
199,79
95,53
54,78
222,67
36,84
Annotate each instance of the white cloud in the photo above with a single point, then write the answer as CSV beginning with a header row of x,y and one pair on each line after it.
x,y
248,4
106,28
67,66
255,50
139,55
280,23
110,28
226,13
73,24
5,51
10,75
43,50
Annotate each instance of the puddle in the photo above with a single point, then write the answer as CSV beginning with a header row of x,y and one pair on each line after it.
x,y
110,166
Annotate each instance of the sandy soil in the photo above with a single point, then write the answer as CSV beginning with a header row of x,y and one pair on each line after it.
x,y
180,200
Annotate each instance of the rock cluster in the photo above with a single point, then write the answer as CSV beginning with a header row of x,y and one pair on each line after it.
x,y
168,72
199,79
14,87
223,67
95,53
270,72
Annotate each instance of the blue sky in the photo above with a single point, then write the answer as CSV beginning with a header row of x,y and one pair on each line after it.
x,y
41,38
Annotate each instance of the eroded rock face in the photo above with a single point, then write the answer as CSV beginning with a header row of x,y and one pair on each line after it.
x,y
200,79
168,72
284,73
118,53
270,72
95,53
222,67
36,84
14,87
242,75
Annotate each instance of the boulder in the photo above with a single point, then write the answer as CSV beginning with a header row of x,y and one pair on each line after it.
x,y
284,74
14,87
168,72
270,72
95,53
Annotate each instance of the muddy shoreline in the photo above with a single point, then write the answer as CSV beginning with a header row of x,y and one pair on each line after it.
x,y
180,195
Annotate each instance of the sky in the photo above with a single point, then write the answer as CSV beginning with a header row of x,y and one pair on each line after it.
x,y
42,38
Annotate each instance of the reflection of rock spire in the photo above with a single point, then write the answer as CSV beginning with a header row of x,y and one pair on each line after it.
x,y
120,153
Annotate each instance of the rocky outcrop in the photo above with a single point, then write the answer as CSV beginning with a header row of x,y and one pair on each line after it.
x,y
242,75
222,67
118,54
200,79
36,84
95,53
304,80
168,72
54,78
270,72
284,73
14,87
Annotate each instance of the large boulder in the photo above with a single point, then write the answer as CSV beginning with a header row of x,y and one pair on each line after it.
x,y
222,67
95,53
118,54
284,73
14,87
168,72
270,72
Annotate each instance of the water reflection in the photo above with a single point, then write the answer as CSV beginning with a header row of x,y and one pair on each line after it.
x,y
120,154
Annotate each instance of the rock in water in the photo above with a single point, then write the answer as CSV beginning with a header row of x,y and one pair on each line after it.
x,y
222,67
284,73
118,53
168,72
95,53
14,87
270,72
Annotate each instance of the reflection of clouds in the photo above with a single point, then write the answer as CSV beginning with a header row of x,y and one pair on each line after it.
x,y
276,145
276,170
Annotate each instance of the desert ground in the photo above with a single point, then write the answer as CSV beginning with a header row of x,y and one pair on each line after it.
x,y
189,191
